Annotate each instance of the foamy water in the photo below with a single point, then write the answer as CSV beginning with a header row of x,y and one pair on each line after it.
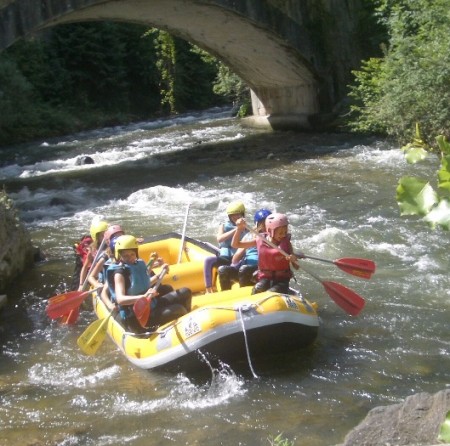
x,y
340,200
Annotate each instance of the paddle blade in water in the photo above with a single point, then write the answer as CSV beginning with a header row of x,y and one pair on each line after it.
x,y
63,304
72,317
347,299
357,267
92,338
141,309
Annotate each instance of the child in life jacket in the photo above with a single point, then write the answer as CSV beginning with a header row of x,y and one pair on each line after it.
x,y
245,260
129,280
81,249
235,211
274,268
97,275
97,231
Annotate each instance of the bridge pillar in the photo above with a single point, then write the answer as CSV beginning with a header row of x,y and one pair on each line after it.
x,y
287,107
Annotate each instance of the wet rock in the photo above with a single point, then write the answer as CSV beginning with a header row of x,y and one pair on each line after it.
x,y
84,160
416,421
16,249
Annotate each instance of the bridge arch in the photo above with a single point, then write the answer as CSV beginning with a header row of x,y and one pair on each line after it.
x,y
245,35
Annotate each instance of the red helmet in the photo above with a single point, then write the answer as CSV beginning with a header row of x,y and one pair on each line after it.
x,y
274,221
113,230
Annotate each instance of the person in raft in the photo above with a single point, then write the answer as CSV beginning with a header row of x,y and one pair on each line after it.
x,y
274,268
129,280
235,211
97,231
245,261
97,276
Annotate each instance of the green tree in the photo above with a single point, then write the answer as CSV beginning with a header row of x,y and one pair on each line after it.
x,y
233,88
84,75
411,83
186,74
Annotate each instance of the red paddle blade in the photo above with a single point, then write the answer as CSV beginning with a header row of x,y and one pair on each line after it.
x,y
63,304
347,299
358,267
72,317
141,309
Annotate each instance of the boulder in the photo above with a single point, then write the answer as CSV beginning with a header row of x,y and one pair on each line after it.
x,y
416,421
16,249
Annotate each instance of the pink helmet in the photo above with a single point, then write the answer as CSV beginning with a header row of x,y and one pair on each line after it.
x,y
274,221
113,230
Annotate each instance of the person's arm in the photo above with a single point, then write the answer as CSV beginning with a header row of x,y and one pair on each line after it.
x,y
154,277
236,242
93,277
237,257
222,236
104,296
84,270
121,296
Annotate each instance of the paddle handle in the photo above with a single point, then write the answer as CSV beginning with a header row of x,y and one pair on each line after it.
x,y
271,244
183,235
161,275
153,257
317,258
97,256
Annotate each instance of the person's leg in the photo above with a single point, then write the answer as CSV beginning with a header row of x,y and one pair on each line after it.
x,y
181,296
163,314
227,275
246,275
164,289
207,272
260,286
280,286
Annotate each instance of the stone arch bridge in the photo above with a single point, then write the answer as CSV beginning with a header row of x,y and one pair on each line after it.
x,y
295,55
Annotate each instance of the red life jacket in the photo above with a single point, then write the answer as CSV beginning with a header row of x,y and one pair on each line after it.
x,y
271,263
82,247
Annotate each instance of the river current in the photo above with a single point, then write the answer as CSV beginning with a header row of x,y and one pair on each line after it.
x,y
339,194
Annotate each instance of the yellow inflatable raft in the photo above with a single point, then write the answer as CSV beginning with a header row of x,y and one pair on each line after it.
x,y
226,326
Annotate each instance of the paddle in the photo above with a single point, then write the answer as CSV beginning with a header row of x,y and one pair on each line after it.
x,y
362,268
71,315
64,303
183,234
141,307
151,260
347,299
94,335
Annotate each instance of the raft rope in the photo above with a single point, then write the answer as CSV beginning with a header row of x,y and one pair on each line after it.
x,y
240,310
246,308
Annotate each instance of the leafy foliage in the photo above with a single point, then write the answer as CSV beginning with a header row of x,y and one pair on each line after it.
x,y
231,86
411,82
187,74
86,75
444,432
416,196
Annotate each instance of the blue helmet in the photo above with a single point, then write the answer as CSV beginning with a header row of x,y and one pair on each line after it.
x,y
262,214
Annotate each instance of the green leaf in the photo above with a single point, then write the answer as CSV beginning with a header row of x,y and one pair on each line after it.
x,y
414,154
440,215
415,196
444,145
444,173
444,433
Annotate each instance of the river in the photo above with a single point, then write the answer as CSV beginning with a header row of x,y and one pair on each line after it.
x,y
339,194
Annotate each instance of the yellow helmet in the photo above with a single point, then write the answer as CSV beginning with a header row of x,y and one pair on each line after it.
x,y
98,226
125,242
236,207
